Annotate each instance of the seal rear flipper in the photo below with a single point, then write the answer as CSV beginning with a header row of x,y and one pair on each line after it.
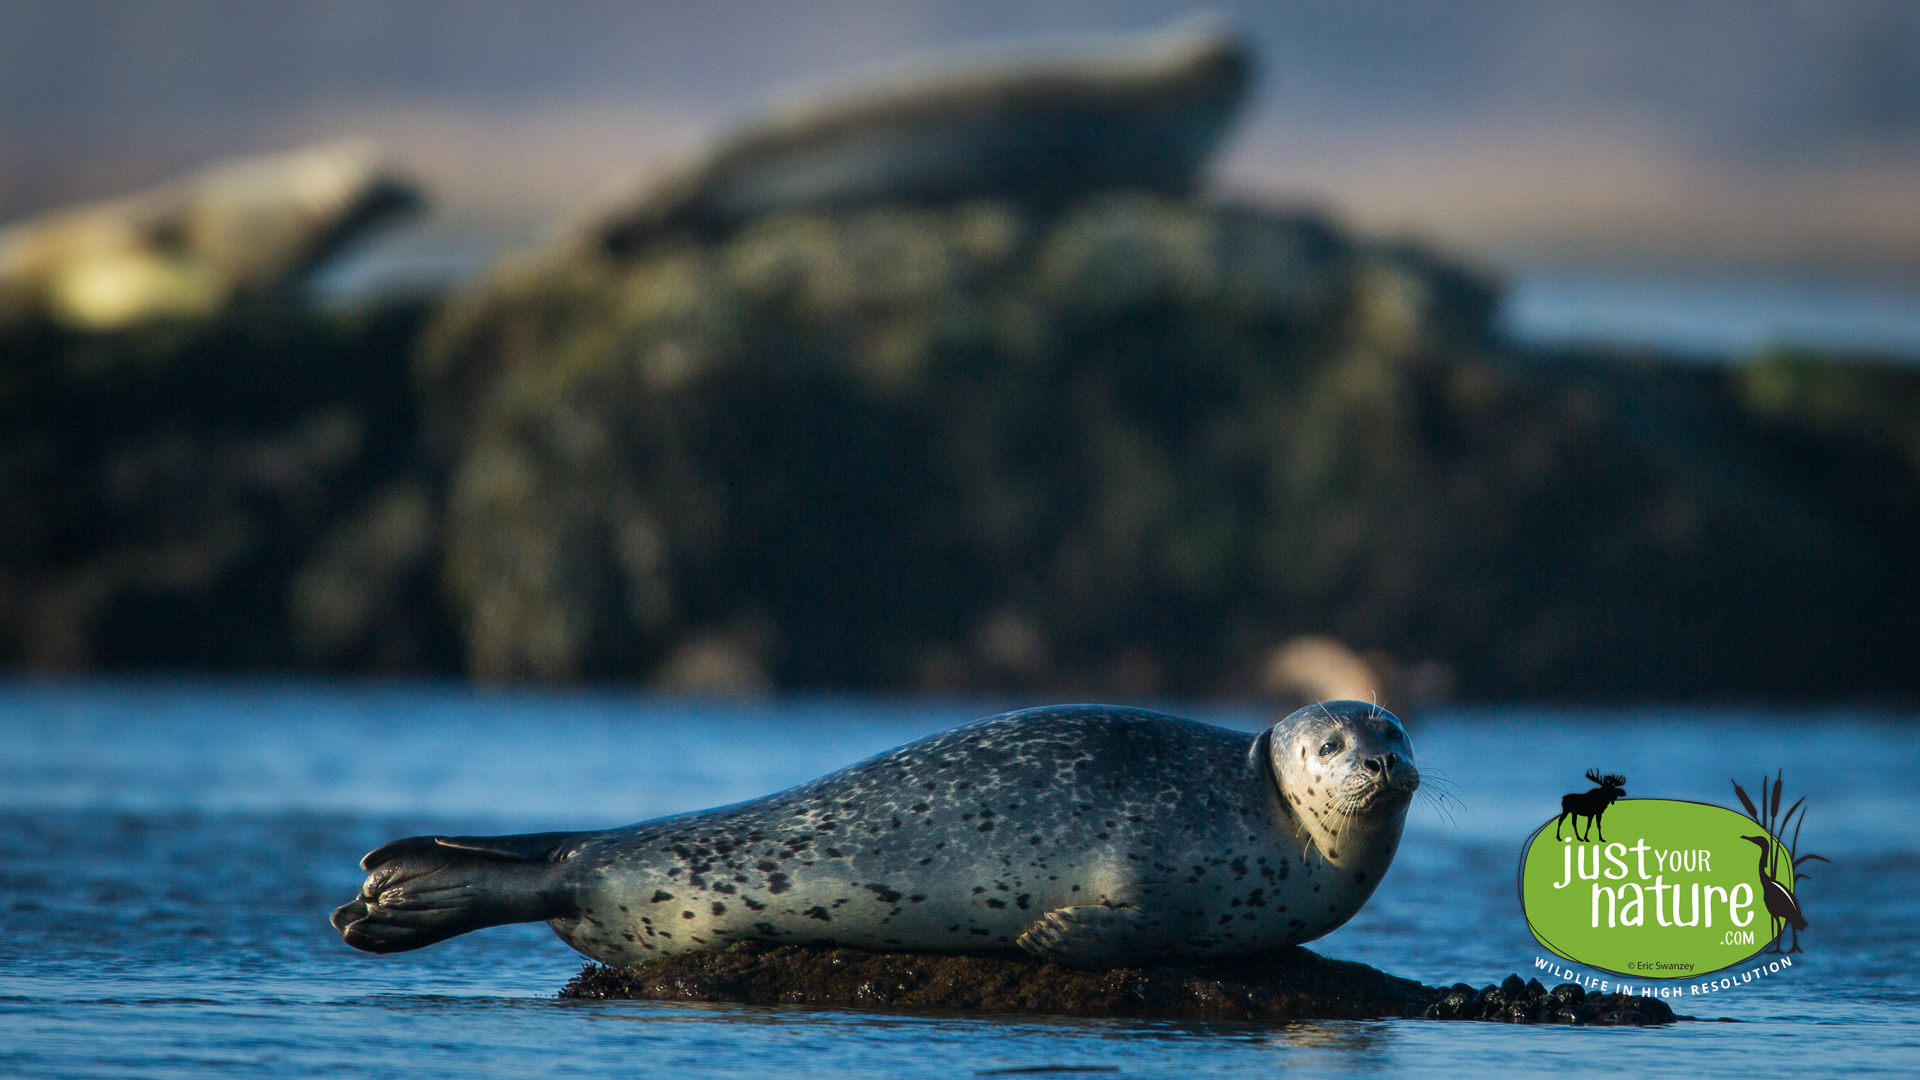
x,y
524,847
1095,936
425,889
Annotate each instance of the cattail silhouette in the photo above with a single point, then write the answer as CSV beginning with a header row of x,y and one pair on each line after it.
x,y
1779,899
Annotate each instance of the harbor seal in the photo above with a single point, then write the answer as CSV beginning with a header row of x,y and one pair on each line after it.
x,y
1094,836
1142,112
189,247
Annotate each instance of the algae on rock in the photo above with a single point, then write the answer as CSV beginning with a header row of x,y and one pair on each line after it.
x,y
1124,446
1286,984
165,484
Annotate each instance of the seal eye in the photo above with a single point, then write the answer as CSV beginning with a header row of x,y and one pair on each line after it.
x,y
1329,747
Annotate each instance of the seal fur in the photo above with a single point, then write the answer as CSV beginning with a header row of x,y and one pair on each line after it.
x,y
1142,112
1093,836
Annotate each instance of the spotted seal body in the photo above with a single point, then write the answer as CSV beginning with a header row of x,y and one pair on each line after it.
x,y
1089,835
1142,112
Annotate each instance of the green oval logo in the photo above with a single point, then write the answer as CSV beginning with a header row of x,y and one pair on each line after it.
x,y
1677,889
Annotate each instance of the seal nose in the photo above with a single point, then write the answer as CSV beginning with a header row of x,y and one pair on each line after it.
x,y
1382,764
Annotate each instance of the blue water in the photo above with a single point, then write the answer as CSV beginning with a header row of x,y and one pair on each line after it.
x,y
169,854
1718,316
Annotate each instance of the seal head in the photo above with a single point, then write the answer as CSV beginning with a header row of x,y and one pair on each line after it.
x,y
1346,771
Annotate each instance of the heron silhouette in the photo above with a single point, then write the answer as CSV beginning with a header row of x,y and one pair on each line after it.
x,y
1779,899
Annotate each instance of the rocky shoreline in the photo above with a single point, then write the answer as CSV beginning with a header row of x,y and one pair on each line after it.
x,y
1284,985
1065,427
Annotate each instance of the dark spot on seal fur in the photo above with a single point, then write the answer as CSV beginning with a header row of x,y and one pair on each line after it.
x,y
778,883
660,895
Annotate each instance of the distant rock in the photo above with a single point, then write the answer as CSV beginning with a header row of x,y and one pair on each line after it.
x,y
1145,112
203,494
1121,448
1314,667
189,247
959,387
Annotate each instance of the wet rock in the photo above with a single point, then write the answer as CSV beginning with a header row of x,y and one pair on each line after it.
x,y
166,485
1127,443
195,460
1514,1002
1312,667
1288,984
960,445
920,422
365,598
729,662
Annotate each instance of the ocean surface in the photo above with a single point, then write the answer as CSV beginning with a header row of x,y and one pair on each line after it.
x,y
170,851
1714,317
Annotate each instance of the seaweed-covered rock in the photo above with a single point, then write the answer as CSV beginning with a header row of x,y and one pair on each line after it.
x,y
1292,984
914,421
181,430
908,439
1126,446
1515,1002
166,484
1287,984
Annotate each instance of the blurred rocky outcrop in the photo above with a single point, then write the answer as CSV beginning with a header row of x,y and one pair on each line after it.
x,y
1124,446
180,430
912,424
1312,667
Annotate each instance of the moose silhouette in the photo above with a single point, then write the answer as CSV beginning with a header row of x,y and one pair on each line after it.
x,y
1590,804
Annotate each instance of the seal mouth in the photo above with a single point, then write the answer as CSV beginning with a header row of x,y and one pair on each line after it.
x,y
1386,791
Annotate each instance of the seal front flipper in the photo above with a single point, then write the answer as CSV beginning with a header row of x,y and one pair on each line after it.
x,y
1095,936
425,889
